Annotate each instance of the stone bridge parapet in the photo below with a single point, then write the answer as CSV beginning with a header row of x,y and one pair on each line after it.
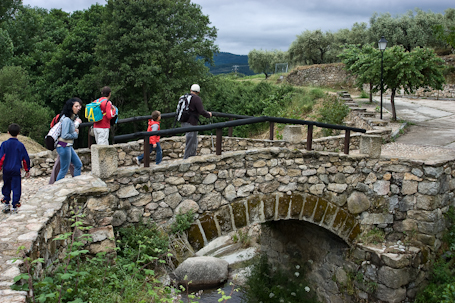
x,y
344,194
174,147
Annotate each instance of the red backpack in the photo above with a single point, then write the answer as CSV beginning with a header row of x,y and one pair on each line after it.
x,y
55,120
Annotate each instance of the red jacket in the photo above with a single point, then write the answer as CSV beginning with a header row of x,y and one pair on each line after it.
x,y
106,107
153,139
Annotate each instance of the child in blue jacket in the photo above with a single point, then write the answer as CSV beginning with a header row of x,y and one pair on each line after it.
x,y
13,156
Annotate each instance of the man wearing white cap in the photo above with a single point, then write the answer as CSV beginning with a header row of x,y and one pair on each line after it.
x,y
195,108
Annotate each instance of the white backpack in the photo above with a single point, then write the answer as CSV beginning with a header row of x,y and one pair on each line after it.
x,y
53,135
183,108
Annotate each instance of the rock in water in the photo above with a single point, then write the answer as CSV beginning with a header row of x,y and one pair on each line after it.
x,y
202,272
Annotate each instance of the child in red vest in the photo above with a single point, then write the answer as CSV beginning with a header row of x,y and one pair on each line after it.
x,y
153,125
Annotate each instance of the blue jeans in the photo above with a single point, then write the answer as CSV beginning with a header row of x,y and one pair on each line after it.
x,y
67,156
159,153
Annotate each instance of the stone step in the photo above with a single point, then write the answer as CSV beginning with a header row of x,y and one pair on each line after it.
x,y
342,92
346,99
377,122
369,114
358,109
351,104
346,96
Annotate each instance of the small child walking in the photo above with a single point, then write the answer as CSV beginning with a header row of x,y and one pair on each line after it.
x,y
13,156
153,125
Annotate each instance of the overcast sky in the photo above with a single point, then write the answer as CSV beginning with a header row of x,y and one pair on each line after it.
x,y
244,25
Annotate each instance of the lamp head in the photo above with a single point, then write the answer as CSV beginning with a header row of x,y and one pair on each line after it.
x,y
382,44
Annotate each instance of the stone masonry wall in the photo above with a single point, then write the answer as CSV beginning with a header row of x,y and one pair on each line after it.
x,y
320,75
334,74
173,148
344,194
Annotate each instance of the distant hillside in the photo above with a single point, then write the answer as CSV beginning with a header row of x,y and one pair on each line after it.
x,y
225,63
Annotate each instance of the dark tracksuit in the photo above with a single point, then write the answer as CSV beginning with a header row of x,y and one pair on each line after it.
x,y
12,156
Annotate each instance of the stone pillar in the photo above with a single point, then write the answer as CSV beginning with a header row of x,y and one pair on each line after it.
x,y
293,133
104,160
371,145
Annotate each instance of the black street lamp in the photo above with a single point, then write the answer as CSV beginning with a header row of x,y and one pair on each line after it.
x,y
382,45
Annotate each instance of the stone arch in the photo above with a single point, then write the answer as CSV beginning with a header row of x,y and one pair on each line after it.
x,y
261,208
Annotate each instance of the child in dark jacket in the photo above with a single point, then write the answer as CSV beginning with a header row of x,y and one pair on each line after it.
x,y
13,156
153,125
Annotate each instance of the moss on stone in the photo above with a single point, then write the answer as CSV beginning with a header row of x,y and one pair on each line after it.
x,y
309,206
320,210
209,226
195,237
296,205
283,206
239,210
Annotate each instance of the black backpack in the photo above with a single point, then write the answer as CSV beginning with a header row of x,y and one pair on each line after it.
x,y
183,108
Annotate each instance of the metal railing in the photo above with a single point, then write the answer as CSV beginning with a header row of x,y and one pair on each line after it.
x,y
242,120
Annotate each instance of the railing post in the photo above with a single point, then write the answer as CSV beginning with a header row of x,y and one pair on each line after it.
x,y
347,139
272,130
230,129
147,152
309,137
219,140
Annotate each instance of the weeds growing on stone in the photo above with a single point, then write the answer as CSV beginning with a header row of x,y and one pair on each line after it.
x,y
267,285
131,276
441,287
374,236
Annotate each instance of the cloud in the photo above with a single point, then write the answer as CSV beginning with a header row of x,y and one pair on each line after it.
x,y
244,25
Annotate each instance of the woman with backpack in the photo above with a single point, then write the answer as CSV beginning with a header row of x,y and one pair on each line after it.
x,y
56,168
65,141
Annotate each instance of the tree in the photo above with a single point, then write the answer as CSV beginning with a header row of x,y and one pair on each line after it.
x,y
6,48
70,70
402,69
411,30
148,50
18,106
446,31
8,9
411,70
364,62
312,47
264,61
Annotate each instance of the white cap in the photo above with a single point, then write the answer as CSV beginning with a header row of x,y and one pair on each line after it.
x,y
195,88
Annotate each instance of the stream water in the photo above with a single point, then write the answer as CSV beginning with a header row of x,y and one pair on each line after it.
x,y
212,295
237,260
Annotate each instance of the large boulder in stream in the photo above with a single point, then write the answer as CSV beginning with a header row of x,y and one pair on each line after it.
x,y
203,272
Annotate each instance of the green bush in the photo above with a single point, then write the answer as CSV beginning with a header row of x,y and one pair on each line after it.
x,y
132,238
333,111
182,222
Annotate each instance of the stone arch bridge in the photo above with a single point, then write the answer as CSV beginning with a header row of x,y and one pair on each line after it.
x,y
342,194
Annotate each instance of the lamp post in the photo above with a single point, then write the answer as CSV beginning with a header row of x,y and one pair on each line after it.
x,y
382,45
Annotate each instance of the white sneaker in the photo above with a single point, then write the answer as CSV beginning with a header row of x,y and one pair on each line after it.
x,y
14,210
137,161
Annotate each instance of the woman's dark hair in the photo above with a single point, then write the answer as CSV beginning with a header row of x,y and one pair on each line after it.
x,y
68,107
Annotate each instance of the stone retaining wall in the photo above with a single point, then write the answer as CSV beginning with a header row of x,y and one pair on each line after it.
x,y
173,148
327,75
335,75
